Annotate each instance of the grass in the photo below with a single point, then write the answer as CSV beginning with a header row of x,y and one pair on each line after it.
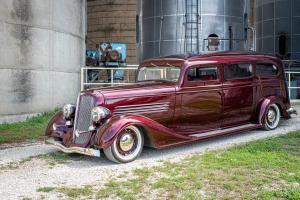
x,y
134,186
46,189
14,165
71,192
57,158
266,169
31,129
52,159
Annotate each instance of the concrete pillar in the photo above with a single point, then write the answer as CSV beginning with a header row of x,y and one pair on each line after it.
x,y
42,50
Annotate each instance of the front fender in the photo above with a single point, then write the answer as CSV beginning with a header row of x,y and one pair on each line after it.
x,y
159,135
58,119
264,105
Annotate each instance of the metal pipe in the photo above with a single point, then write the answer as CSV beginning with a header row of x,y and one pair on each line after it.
x,y
82,81
230,38
254,38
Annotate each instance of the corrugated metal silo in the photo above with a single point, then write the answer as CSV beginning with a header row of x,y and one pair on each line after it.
x,y
41,52
180,26
278,27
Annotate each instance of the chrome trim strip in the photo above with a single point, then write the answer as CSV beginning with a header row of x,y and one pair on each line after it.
x,y
216,132
140,112
76,116
141,105
142,108
85,151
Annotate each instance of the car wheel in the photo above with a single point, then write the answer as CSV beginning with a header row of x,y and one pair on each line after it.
x,y
127,146
272,117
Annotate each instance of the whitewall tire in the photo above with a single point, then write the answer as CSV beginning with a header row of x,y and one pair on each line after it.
x,y
272,117
127,146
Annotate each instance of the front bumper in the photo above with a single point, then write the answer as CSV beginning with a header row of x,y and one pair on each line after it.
x,y
291,111
80,150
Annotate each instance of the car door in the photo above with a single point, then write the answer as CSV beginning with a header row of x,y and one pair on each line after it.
x,y
199,100
238,89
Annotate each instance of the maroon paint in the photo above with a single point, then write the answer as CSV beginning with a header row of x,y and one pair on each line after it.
x,y
195,107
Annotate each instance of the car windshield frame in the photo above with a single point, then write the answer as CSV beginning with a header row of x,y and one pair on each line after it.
x,y
164,71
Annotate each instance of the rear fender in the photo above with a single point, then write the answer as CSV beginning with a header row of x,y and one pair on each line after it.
x,y
158,134
264,105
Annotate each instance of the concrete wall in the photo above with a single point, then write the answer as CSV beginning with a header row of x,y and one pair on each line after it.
x,y
112,21
41,52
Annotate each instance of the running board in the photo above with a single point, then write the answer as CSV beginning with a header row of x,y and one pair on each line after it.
x,y
227,130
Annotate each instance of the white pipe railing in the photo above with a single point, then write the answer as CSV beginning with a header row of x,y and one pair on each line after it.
x,y
289,75
292,70
110,75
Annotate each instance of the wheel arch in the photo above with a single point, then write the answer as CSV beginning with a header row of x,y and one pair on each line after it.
x,y
264,105
155,134
107,134
147,139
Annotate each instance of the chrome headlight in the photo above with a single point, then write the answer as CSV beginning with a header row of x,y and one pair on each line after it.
x,y
68,111
99,113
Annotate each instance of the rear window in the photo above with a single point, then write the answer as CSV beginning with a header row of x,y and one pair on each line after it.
x,y
203,74
235,71
266,70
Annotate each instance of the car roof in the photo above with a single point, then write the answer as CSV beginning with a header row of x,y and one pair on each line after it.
x,y
201,55
212,58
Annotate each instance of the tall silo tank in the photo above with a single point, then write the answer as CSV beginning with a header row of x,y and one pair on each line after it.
x,y
278,27
164,24
42,50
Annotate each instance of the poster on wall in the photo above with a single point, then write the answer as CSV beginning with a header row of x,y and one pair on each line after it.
x,y
112,52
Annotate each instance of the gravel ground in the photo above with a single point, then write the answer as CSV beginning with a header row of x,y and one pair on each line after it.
x,y
24,181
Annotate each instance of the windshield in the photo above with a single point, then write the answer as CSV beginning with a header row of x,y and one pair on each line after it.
x,y
159,73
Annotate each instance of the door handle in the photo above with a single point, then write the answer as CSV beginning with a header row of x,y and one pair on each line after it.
x,y
222,94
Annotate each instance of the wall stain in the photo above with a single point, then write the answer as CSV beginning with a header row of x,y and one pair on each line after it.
x,y
22,13
22,10
22,86
81,19
25,44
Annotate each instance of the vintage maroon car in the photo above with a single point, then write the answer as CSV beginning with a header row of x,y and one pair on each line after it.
x,y
176,100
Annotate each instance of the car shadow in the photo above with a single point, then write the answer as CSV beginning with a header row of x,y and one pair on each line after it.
x,y
155,154
151,154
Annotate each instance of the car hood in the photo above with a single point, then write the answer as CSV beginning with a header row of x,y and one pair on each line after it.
x,y
138,89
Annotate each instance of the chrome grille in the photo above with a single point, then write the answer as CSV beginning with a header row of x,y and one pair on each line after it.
x,y
83,138
83,118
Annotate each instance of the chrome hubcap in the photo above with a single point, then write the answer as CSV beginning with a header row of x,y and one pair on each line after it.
x,y
126,142
129,144
271,116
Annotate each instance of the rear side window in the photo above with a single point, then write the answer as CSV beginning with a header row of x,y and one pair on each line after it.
x,y
203,74
266,70
235,71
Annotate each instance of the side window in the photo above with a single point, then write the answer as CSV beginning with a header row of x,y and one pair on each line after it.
x,y
235,71
202,74
266,70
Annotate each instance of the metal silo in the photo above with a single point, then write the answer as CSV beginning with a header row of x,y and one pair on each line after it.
x,y
278,27
179,26
42,50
